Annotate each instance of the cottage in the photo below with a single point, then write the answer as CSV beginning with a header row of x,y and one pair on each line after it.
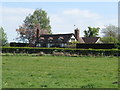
x,y
61,40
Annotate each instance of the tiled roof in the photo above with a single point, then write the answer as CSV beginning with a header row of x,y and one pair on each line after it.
x,y
56,37
81,40
90,39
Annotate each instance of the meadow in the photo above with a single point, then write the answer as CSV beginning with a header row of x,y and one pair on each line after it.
x,y
59,72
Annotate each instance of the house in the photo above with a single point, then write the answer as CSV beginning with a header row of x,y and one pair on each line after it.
x,y
62,40
55,40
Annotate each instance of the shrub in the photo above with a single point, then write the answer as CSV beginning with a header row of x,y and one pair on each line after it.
x,y
74,55
41,54
67,54
97,45
61,51
58,54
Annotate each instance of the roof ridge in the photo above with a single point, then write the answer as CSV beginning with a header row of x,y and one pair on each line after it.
x,y
57,34
90,37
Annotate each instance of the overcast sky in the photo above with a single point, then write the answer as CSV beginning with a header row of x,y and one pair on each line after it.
x,y
63,15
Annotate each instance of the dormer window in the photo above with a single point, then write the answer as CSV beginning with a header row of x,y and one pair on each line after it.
x,y
42,39
60,39
50,39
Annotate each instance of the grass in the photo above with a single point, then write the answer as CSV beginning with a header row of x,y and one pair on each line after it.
x,y
59,72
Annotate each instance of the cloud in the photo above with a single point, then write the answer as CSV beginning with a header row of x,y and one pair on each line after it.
x,y
12,18
61,22
81,13
16,11
64,21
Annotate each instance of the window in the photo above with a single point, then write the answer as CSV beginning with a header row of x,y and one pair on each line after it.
x,y
60,39
49,45
38,45
42,39
72,39
50,39
62,45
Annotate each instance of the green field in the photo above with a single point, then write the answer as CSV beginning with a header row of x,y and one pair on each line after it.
x,y
59,72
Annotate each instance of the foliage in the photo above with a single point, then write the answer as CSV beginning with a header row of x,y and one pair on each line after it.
x,y
59,72
111,34
96,45
38,20
109,40
3,37
74,42
92,32
110,31
117,45
96,52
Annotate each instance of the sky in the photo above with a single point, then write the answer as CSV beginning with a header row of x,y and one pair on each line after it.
x,y
63,15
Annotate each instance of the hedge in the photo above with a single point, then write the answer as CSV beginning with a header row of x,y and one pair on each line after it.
x,y
30,50
97,45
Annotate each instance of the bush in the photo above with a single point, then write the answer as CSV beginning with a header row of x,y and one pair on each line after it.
x,y
41,54
67,54
97,45
117,45
58,54
61,51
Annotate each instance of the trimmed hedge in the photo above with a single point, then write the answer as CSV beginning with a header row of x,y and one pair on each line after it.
x,y
30,50
14,44
97,45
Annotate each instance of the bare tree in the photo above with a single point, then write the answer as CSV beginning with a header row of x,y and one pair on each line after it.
x,y
111,34
30,34
110,31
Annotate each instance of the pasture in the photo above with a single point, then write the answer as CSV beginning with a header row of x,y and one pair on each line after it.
x,y
59,72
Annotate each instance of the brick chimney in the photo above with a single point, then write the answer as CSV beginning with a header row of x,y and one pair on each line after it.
x,y
76,31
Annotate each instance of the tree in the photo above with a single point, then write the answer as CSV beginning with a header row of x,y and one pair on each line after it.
x,y
110,31
38,20
91,32
3,37
109,40
111,34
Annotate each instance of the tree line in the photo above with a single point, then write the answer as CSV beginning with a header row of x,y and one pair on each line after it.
x,y
39,19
